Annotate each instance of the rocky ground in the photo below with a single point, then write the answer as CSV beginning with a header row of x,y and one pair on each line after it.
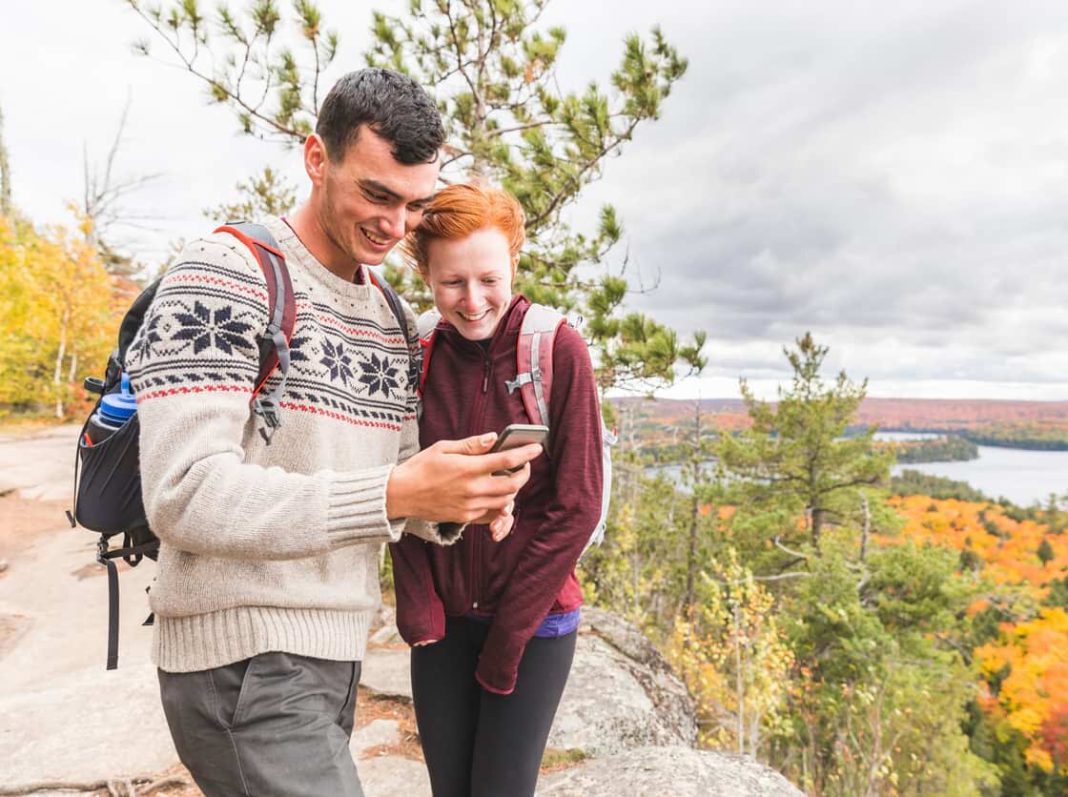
x,y
626,725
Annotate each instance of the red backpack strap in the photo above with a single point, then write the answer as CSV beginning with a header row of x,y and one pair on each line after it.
x,y
282,318
534,360
427,324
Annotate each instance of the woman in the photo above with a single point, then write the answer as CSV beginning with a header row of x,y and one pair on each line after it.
x,y
493,624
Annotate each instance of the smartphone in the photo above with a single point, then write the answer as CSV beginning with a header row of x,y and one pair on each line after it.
x,y
516,435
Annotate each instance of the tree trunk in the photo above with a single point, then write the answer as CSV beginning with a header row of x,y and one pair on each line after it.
x,y
58,371
817,526
739,687
5,174
695,509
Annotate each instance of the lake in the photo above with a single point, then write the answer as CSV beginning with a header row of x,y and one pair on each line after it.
x,y
1023,477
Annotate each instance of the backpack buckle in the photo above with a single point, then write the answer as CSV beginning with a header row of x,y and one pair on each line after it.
x,y
269,413
514,384
102,550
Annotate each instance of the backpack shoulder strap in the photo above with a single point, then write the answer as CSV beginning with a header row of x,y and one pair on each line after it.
x,y
282,317
534,360
427,324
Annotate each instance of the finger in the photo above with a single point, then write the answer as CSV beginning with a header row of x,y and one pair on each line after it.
x,y
501,524
495,528
510,459
476,444
495,490
507,524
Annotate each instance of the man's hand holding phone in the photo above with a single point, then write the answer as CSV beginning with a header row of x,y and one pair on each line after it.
x,y
516,435
453,480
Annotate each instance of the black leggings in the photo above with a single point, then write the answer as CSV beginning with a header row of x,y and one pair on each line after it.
x,y
477,743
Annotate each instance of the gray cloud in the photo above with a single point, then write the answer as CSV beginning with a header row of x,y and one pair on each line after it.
x,y
893,179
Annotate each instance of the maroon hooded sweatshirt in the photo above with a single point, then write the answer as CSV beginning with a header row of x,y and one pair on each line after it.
x,y
531,573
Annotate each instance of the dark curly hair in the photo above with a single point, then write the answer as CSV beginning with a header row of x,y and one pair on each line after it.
x,y
393,105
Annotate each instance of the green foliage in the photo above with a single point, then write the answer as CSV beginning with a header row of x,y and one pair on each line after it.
x,y
1005,605
639,570
951,448
793,469
876,686
508,123
840,658
913,482
1045,552
1035,438
912,592
273,90
1058,593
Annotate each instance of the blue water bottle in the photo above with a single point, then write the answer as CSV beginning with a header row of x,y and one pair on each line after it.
x,y
115,410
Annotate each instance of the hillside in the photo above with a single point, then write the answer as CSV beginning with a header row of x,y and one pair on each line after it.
x,y
919,414
1019,623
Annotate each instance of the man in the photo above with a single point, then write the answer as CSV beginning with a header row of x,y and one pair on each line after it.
x,y
268,568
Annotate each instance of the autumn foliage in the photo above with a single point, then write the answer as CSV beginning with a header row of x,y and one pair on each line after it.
x,y
59,314
1023,668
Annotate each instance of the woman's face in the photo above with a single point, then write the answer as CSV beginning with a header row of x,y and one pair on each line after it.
x,y
471,279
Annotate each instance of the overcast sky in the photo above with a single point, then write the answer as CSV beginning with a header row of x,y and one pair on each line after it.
x,y
890,176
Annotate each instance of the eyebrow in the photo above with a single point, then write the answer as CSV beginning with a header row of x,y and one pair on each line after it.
x,y
374,185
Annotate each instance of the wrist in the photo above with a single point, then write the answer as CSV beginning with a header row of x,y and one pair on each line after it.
x,y
398,504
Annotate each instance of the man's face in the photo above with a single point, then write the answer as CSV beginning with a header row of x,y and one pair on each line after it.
x,y
368,201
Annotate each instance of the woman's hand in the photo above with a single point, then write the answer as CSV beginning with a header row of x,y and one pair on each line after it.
x,y
501,526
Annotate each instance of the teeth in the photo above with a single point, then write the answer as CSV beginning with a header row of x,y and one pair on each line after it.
x,y
375,239
476,317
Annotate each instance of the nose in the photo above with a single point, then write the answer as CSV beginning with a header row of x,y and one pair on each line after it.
x,y
395,222
471,298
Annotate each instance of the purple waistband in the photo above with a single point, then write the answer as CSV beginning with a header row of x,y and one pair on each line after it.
x,y
554,625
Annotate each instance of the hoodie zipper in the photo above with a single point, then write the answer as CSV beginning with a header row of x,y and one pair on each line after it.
x,y
476,540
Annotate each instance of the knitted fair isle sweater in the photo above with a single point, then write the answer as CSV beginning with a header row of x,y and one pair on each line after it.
x,y
268,547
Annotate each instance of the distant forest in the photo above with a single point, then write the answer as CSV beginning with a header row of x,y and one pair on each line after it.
x,y
951,448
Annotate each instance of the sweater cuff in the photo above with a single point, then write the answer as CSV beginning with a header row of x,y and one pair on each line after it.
x,y
498,667
444,533
493,689
356,508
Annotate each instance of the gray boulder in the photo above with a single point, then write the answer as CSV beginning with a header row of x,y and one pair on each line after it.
x,y
621,693
678,771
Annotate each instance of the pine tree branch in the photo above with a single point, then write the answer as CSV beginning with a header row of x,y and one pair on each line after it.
x,y
219,89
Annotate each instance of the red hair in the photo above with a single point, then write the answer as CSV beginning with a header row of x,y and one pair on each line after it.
x,y
458,211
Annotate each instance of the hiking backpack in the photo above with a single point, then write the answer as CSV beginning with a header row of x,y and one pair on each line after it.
x,y
534,381
107,475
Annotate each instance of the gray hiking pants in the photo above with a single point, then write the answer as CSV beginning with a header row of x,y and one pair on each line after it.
x,y
275,724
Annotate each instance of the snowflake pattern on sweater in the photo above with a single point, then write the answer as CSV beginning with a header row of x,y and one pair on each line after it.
x,y
202,336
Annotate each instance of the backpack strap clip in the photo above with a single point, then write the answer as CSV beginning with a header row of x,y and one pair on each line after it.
x,y
282,312
521,379
266,409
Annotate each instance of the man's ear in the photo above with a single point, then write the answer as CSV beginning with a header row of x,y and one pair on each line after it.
x,y
315,159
